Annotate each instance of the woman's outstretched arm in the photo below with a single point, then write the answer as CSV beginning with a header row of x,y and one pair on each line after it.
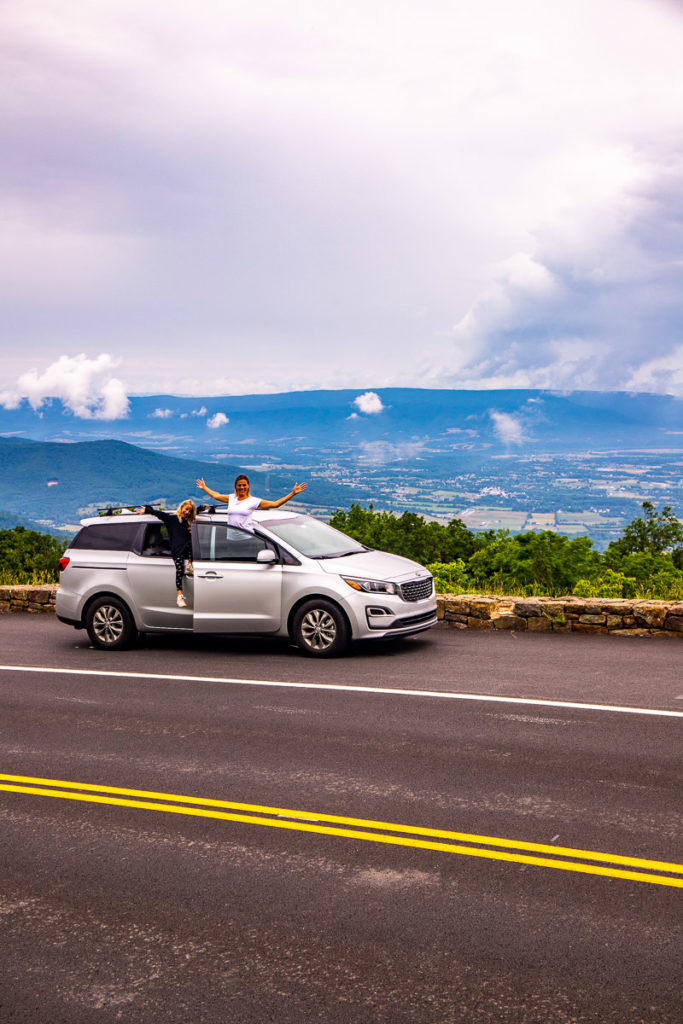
x,y
297,489
214,494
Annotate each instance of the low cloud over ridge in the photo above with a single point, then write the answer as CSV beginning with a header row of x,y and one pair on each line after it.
x,y
369,403
507,427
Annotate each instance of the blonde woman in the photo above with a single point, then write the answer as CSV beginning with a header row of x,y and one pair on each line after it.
x,y
178,525
241,504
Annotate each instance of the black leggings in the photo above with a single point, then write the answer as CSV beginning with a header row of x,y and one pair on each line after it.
x,y
180,567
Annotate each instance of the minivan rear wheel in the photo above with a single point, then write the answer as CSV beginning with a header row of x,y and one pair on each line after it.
x,y
320,629
110,624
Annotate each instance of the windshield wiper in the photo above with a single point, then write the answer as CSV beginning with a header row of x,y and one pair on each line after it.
x,y
339,554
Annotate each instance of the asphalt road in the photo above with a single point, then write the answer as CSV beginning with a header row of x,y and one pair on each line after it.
x,y
464,827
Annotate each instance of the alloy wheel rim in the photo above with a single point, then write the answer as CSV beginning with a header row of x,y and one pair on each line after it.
x,y
108,624
318,629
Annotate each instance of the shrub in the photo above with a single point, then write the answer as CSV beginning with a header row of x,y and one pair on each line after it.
x,y
608,584
29,557
450,577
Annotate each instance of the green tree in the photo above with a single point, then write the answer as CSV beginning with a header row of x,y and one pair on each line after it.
x,y
409,534
544,562
644,565
450,578
26,555
657,533
647,559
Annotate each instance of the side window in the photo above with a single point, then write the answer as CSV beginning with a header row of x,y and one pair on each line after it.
x,y
107,537
218,543
156,543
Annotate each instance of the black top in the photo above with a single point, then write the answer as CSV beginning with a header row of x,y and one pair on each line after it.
x,y
178,532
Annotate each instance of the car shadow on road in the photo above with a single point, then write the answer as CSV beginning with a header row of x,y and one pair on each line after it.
x,y
275,646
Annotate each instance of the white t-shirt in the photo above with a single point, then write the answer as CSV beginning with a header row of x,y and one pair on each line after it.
x,y
240,512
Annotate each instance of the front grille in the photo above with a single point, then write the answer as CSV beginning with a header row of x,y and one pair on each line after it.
x,y
417,590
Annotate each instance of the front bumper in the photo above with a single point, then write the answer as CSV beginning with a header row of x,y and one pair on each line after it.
x,y
382,621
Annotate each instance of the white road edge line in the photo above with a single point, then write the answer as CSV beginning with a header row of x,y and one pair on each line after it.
x,y
346,688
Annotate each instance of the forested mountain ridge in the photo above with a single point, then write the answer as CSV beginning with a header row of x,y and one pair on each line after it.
x,y
54,484
521,420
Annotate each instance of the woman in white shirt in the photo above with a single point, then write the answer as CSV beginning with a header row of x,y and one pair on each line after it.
x,y
241,504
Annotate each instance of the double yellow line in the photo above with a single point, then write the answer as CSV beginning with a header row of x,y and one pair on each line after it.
x,y
490,847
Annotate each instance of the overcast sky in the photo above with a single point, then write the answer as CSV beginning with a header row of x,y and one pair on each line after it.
x,y
230,197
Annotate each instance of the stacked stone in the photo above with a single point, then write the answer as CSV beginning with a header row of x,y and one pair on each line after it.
x,y
28,598
562,615
477,611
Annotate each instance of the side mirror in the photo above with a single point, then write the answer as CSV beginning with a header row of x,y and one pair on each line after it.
x,y
267,555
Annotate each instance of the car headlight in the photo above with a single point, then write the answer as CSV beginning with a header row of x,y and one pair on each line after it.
x,y
371,586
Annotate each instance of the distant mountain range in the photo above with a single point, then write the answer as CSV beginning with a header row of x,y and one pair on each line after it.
x,y
280,427
576,462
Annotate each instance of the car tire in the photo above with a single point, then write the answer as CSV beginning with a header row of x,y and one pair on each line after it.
x,y
320,629
110,624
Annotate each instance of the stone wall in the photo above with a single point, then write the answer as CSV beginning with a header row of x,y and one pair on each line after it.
x,y
28,598
476,611
562,615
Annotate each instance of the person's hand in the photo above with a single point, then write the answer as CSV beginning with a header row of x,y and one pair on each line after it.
x,y
201,485
140,511
298,488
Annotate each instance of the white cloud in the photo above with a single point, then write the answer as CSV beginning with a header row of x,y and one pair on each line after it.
x,y
202,411
369,403
85,386
507,427
162,414
517,291
515,283
661,375
219,419
10,399
355,163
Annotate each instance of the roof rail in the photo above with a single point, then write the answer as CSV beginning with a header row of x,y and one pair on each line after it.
x,y
117,510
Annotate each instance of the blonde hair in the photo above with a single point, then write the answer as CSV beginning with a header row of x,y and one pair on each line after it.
x,y
184,504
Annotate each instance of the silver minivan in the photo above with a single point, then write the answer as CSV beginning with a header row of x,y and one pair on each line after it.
x,y
294,576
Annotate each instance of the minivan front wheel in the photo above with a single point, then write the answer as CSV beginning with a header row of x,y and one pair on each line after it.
x,y
110,625
320,629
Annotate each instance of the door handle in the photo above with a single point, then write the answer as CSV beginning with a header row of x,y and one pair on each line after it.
x,y
210,576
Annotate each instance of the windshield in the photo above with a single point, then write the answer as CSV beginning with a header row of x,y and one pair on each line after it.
x,y
314,539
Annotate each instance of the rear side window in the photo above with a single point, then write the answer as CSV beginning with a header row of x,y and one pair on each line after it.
x,y
155,543
107,537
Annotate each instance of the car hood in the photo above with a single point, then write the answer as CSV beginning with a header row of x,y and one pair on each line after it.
x,y
374,565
